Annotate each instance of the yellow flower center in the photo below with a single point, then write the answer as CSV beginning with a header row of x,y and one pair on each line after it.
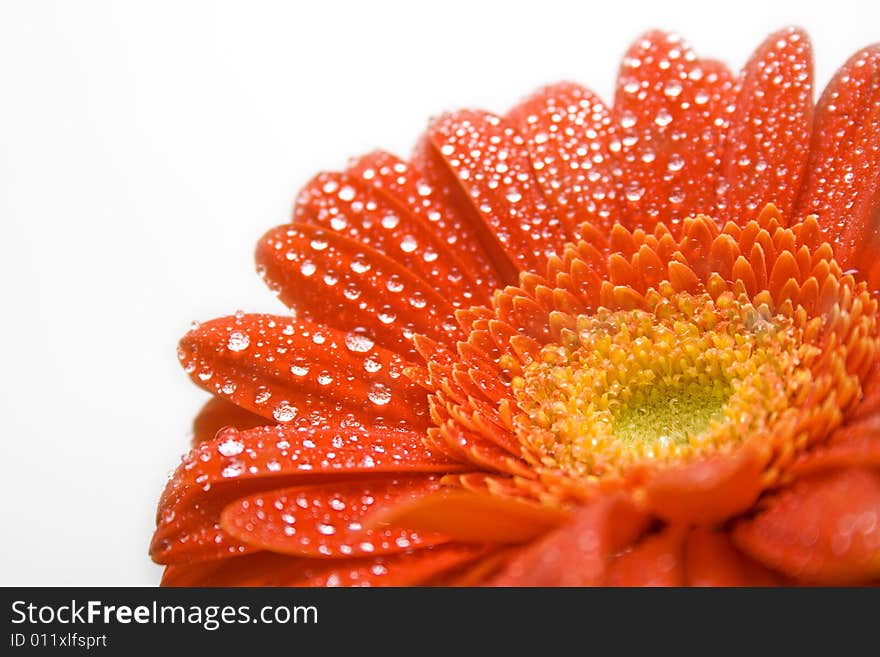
x,y
688,375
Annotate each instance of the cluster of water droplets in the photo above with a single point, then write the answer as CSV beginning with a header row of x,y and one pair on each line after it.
x,y
492,162
355,208
333,279
567,130
331,520
285,370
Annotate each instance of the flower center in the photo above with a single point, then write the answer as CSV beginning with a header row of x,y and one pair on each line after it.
x,y
688,375
669,413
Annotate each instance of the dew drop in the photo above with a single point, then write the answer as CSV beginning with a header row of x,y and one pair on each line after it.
x,y
299,369
663,118
358,342
408,244
232,470
633,194
284,412
238,341
360,265
386,315
672,89
231,447
379,394
394,284
676,162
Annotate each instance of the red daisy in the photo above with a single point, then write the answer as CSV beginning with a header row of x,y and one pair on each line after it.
x,y
571,345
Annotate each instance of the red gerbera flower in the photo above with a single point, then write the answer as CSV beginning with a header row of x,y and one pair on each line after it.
x,y
572,345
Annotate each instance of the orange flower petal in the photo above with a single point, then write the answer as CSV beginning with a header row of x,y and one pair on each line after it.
x,y
349,205
705,491
856,444
236,464
328,520
711,560
843,175
190,532
768,141
577,553
823,529
491,164
283,369
282,455
468,516
269,569
656,561
333,280
567,130
670,115
405,187
870,404
218,413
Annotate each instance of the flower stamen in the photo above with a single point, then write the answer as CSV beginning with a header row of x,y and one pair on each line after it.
x,y
690,375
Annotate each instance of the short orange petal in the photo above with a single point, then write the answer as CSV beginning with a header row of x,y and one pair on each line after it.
x,y
710,559
825,528
577,553
705,491
656,561
853,445
467,516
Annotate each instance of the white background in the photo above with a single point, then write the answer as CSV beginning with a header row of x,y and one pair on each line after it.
x,y
145,147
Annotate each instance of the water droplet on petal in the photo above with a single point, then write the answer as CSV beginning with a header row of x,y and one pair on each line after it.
x,y
299,369
379,394
232,470
284,412
663,118
358,342
231,447
408,244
